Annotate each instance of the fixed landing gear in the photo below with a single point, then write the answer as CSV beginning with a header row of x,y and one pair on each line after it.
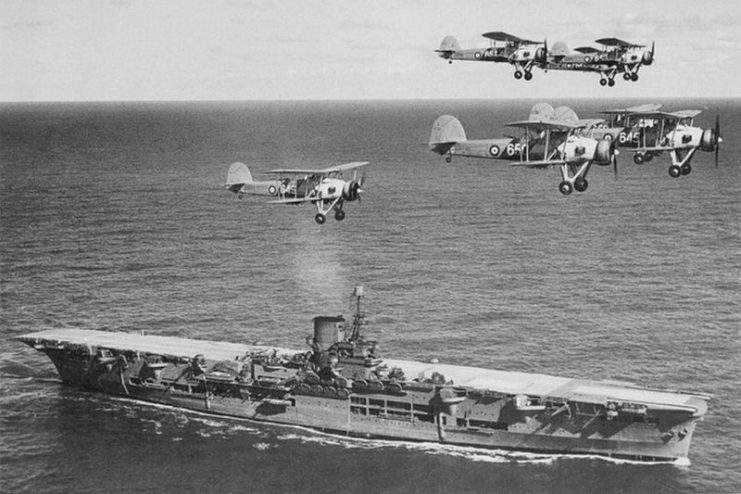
x,y
603,82
581,185
320,218
448,159
686,169
339,215
528,76
634,76
626,76
611,82
638,159
518,74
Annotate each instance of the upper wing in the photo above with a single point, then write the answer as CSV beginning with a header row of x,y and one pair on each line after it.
x,y
686,113
323,171
587,49
648,107
345,167
538,125
500,36
617,42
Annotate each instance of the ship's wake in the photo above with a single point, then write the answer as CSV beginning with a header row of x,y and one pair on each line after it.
x,y
218,426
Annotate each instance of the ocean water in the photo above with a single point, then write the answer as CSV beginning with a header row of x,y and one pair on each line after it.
x,y
113,216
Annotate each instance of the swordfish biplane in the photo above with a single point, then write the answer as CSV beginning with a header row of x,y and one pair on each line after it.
x,y
324,188
624,57
615,57
649,132
545,142
523,54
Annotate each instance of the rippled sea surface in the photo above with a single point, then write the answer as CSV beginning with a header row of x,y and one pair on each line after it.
x,y
114,217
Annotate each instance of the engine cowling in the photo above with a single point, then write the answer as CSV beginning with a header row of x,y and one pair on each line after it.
x,y
540,54
351,191
647,58
603,152
708,140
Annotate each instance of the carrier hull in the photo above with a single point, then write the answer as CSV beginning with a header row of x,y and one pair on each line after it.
x,y
392,399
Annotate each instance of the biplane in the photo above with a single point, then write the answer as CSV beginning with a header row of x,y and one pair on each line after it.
x,y
544,143
324,188
624,57
649,132
523,54
616,57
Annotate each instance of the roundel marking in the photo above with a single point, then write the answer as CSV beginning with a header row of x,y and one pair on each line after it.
x,y
608,137
587,59
272,190
477,55
494,150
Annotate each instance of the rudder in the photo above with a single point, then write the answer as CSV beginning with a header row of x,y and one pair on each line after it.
x,y
449,44
238,174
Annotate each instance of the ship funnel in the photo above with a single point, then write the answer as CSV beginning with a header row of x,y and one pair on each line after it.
x,y
328,330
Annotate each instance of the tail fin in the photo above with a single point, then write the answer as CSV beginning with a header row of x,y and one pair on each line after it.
x,y
540,112
446,132
565,114
448,46
449,43
238,176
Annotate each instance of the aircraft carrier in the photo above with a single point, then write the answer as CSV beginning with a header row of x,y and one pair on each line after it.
x,y
341,384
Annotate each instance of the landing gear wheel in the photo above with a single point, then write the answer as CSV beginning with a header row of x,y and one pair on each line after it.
x,y
448,159
565,188
518,74
626,76
528,76
633,77
339,215
611,82
603,82
686,169
674,171
648,157
581,185
638,159
320,218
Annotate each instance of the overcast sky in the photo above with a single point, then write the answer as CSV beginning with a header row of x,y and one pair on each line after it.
x,y
77,50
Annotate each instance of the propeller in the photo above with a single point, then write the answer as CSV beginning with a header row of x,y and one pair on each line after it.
x,y
614,151
544,60
718,138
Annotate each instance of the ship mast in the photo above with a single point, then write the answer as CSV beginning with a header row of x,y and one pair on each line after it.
x,y
359,317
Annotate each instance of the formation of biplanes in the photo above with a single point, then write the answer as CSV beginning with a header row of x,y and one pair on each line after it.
x,y
549,137
613,57
559,138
